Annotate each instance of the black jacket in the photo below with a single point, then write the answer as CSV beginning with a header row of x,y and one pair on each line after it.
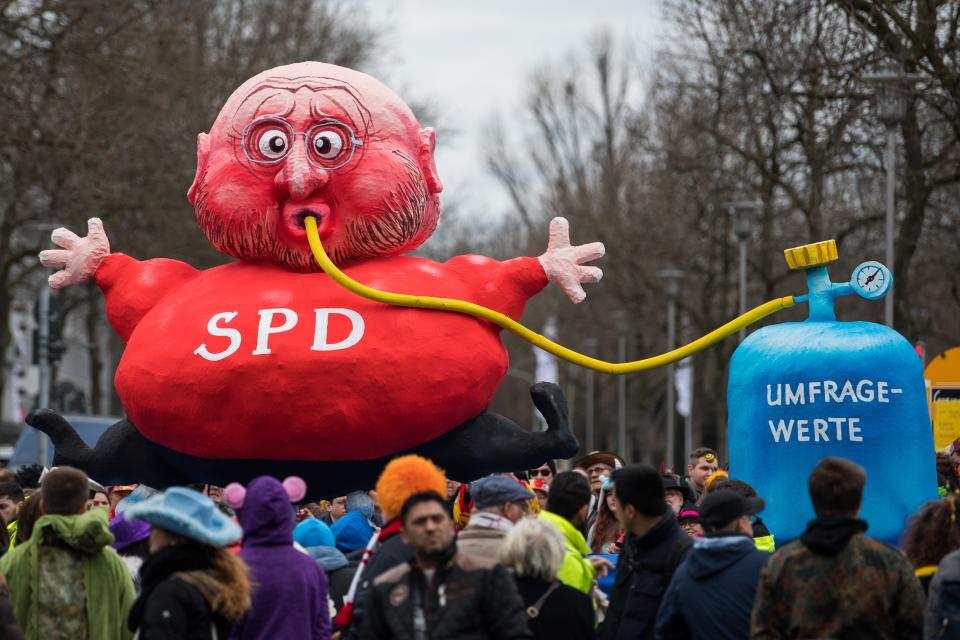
x,y
711,594
169,607
469,598
643,573
566,614
391,553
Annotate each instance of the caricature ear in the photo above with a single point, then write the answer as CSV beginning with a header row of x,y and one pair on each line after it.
x,y
296,488
203,152
234,495
427,142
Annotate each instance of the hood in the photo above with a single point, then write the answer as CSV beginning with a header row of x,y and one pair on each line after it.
x,y
352,532
266,515
329,558
87,532
829,536
711,555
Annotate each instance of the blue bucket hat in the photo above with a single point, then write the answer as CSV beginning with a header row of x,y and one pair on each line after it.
x,y
187,513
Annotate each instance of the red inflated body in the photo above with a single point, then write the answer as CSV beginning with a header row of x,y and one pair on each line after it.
x,y
413,375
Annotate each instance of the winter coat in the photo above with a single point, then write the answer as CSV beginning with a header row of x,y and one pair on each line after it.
x,y
392,551
835,582
184,597
566,614
643,574
106,583
290,589
575,571
352,532
9,629
468,599
711,594
943,602
338,569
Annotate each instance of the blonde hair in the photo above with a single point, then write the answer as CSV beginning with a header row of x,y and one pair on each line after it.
x,y
533,549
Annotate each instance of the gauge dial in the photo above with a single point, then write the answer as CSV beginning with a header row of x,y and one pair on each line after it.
x,y
871,280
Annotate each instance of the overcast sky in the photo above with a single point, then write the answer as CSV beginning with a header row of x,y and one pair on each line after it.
x,y
474,59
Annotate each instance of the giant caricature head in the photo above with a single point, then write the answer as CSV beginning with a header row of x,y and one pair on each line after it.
x,y
315,139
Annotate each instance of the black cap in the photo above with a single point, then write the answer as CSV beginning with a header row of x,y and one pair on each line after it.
x,y
670,481
640,485
722,507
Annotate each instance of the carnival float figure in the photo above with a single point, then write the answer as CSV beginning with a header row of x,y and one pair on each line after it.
x,y
265,365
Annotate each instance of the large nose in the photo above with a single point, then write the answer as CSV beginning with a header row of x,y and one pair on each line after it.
x,y
297,176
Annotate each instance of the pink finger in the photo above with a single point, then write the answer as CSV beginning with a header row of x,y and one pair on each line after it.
x,y
59,280
592,251
65,238
590,274
54,257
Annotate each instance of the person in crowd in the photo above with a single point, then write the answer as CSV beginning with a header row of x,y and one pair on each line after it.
x,y
7,475
317,540
290,589
191,586
337,509
653,548
947,480
542,490
762,537
354,530
441,593
401,478
22,527
460,503
676,492
545,472
835,582
498,503
931,534
533,551
598,465
65,581
703,463
713,483
131,541
99,500
118,492
11,498
941,619
28,476
689,521
569,501
605,530
9,629
711,594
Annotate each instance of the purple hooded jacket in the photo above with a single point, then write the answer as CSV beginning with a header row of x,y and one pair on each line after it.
x,y
290,588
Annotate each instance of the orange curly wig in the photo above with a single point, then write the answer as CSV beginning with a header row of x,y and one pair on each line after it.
x,y
405,476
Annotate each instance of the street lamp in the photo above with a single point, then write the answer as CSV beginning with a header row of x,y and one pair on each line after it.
x,y
890,103
672,278
744,214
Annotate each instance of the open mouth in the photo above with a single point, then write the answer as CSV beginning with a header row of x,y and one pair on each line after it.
x,y
294,220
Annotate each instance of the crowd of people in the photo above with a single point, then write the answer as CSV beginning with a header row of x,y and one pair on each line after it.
x,y
606,550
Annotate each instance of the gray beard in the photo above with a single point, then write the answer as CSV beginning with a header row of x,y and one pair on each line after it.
x,y
252,236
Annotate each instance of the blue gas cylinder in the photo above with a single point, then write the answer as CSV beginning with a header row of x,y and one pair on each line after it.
x,y
801,391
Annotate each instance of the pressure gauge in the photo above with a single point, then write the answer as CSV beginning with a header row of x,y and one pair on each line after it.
x,y
871,280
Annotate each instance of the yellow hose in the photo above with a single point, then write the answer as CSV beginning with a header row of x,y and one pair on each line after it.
x,y
469,308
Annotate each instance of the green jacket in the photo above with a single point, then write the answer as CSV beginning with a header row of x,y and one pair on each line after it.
x,y
109,589
575,571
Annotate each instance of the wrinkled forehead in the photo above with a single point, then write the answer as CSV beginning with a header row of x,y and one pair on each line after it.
x,y
300,100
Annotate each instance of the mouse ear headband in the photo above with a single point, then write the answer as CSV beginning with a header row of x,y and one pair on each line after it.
x,y
235,493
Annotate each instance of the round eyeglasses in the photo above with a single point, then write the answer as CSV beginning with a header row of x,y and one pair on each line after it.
x,y
330,144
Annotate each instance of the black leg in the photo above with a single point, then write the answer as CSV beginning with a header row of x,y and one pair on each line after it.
x,y
486,444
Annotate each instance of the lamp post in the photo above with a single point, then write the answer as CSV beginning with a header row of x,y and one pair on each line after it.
x,y
672,278
744,214
890,103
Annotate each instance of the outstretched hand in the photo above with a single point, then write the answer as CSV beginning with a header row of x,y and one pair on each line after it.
x,y
563,263
78,256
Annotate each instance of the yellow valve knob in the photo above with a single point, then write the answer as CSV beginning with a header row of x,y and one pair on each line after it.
x,y
811,255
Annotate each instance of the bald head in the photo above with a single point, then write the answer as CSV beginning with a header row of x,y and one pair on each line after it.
x,y
314,139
